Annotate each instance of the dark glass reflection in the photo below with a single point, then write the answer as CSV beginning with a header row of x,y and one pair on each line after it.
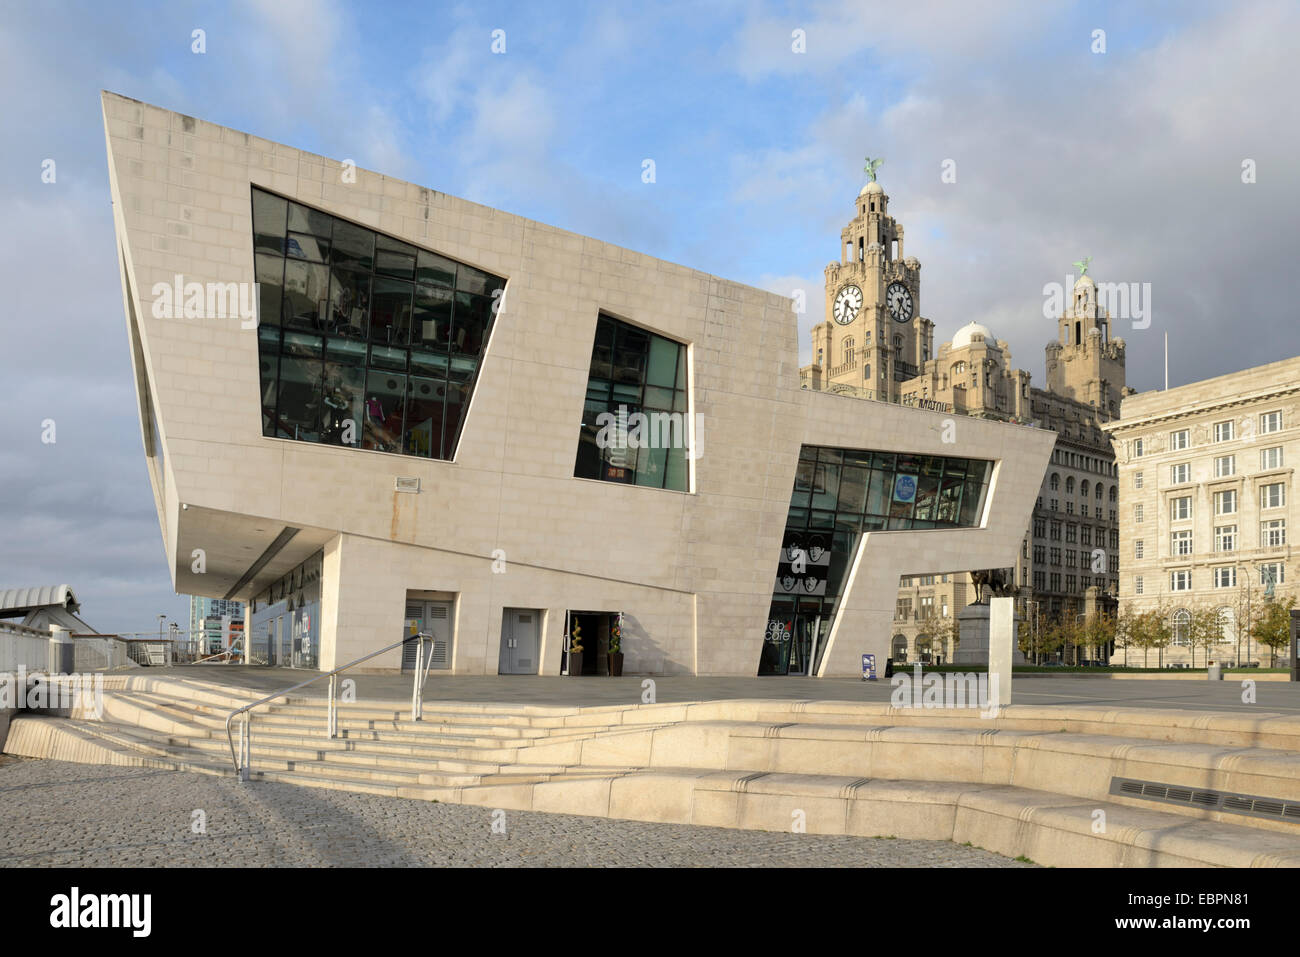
x,y
634,422
838,494
365,340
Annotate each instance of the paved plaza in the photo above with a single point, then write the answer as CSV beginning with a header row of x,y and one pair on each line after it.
x,y
53,813
1033,689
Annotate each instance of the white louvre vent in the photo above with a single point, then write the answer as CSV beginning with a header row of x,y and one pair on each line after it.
x,y
406,483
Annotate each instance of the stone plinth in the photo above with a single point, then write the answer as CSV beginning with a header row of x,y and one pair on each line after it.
x,y
973,648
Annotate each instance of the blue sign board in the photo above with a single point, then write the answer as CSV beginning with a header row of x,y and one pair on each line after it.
x,y
868,667
905,488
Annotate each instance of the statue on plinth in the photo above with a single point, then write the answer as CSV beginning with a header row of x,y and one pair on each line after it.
x,y
1001,583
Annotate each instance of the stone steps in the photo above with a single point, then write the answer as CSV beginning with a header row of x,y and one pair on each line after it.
x,y
1030,780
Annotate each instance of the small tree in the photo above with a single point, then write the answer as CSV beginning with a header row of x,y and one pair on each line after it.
x,y
1273,625
946,633
1025,640
1203,630
1055,635
1096,631
1125,630
1150,629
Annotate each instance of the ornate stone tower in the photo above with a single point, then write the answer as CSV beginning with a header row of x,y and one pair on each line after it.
x,y
1085,363
874,337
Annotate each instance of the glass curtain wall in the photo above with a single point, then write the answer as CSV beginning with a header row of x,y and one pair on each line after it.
x,y
838,495
634,420
286,617
364,340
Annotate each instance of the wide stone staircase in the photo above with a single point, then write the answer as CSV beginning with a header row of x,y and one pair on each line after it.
x,y
1059,785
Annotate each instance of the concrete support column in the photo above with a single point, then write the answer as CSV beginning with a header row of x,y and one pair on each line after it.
x,y
1002,643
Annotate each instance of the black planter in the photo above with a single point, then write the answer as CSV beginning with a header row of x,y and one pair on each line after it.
x,y
616,664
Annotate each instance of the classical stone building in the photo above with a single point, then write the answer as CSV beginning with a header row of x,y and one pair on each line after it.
x,y
875,345
1208,477
371,409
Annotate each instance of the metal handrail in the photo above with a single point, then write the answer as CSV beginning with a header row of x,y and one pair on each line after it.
x,y
243,760
227,652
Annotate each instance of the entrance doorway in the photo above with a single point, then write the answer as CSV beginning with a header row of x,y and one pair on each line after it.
x,y
433,618
521,641
794,642
593,634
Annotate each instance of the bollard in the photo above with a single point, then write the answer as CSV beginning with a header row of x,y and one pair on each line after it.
x,y
63,653
1216,672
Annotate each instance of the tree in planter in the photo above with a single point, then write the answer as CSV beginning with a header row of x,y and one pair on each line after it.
x,y
616,646
575,647
1273,626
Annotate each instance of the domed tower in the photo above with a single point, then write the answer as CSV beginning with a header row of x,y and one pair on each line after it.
x,y
873,337
1085,363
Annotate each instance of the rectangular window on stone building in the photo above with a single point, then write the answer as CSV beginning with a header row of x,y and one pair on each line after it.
x,y
1272,495
1225,538
1270,422
635,425
1223,431
1272,534
364,340
1270,458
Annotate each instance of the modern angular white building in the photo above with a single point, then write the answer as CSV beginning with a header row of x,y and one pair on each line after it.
x,y
370,407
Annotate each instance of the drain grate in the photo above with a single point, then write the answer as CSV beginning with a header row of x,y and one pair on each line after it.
x,y
1207,799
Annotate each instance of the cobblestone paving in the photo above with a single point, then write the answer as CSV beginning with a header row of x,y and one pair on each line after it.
x,y
54,813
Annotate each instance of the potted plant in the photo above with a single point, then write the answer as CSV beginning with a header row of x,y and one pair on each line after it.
x,y
616,647
575,650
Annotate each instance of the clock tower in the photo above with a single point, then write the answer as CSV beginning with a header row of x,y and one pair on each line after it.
x,y
873,337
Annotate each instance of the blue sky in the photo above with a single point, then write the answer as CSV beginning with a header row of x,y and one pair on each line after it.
x,y
1132,156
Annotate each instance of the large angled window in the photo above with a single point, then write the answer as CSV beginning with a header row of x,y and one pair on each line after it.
x,y
364,340
838,495
635,420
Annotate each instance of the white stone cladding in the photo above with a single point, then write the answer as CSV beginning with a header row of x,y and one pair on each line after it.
x,y
692,572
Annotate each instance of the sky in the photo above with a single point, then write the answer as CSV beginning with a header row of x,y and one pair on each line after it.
x,y
1016,140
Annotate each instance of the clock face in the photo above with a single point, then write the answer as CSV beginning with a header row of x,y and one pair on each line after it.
x,y
899,301
847,304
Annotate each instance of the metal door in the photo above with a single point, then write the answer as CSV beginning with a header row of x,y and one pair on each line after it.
x,y
434,618
520,641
